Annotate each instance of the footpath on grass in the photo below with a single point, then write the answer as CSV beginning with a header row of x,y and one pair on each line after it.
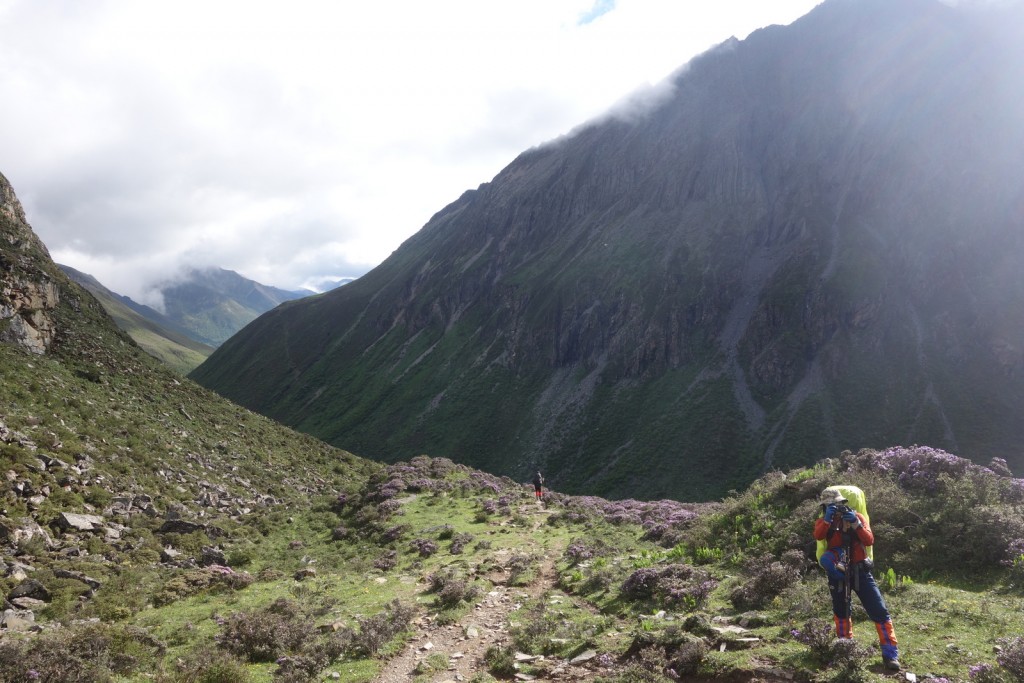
x,y
463,645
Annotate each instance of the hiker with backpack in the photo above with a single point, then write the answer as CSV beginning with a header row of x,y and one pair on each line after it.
x,y
538,483
845,551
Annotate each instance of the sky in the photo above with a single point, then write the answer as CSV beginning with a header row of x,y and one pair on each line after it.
x,y
302,142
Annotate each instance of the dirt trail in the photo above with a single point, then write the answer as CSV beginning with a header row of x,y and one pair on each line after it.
x,y
486,625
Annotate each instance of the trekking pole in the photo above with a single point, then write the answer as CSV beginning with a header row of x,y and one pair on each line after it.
x,y
851,570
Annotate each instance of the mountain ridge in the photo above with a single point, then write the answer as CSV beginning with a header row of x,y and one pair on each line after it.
x,y
769,266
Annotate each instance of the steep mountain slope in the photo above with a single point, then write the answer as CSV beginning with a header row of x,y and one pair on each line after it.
x,y
211,304
154,332
813,243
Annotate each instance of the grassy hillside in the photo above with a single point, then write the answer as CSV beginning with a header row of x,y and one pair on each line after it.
x,y
177,350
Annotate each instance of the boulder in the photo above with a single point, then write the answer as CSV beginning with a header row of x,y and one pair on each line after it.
x,y
17,571
17,620
77,576
179,526
583,657
169,554
211,555
29,604
69,521
27,530
30,588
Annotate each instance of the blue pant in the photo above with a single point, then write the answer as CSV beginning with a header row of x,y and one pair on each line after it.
x,y
866,589
871,598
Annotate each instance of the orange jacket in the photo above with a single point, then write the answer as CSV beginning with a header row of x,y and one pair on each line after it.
x,y
862,533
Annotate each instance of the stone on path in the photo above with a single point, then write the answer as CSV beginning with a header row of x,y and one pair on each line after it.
x,y
585,656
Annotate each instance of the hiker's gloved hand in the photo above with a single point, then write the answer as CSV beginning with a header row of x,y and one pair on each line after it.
x,y
851,517
830,512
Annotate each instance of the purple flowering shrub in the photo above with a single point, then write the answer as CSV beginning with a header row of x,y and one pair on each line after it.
x,y
459,542
387,561
818,635
388,508
210,664
641,584
519,567
687,657
450,589
845,656
1012,657
1014,559
578,551
663,521
423,474
424,546
766,578
83,652
678,586
649,665
378,630
264,635
984,673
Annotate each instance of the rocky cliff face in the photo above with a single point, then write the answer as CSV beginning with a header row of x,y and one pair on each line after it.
x,y
28,294
813,245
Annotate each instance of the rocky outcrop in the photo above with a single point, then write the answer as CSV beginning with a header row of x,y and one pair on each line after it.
x,y
28,295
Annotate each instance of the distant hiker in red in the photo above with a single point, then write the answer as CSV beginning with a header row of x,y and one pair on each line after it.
x,y
846,559
538,483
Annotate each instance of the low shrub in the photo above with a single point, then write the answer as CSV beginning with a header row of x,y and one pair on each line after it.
x,y
766,579
686,658
387,561
211,666
518,568
648,666
459,542
264,635
844,656
195,581
641,584
306,666
425,547
500,661
89,653
450,589
378,630
678,586
1012,657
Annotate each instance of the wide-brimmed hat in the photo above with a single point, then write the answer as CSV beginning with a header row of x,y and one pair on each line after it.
x,y
832,496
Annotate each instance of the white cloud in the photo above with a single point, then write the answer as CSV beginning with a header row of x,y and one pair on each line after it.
x,y
306,140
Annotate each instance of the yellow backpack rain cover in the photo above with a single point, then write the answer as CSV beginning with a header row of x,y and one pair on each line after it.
x,y
856,499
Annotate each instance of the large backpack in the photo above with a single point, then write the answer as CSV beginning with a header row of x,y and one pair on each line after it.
x,y
856,499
